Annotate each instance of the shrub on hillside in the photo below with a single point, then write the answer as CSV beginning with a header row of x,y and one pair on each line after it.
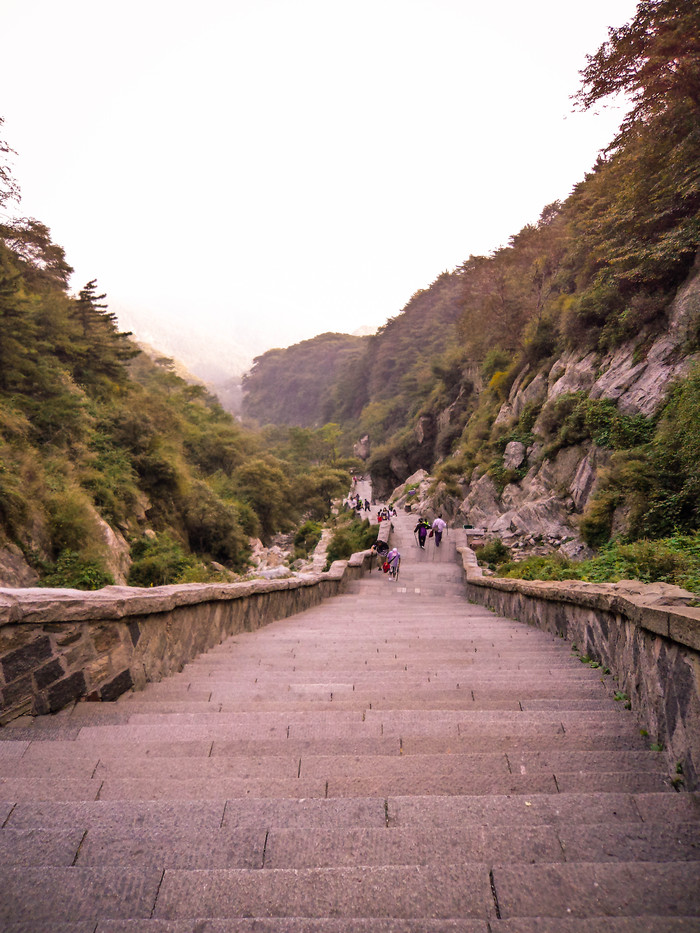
x,y
306,539
492,553
72,521
350,537
76,572
212,526
495,361
551,567
158,561
673,560
573,417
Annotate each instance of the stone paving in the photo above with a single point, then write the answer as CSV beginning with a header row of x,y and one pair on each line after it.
x,y
395,760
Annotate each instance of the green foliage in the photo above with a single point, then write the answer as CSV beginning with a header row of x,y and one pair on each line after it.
x,y
263,485
91,428
495,362
248,519
596,522
315,473
350,536
657,483
499,384
573,417
476,445
541,338
400,354
306,538
503,477
635,219
71,523
9,189
510,294
674,502
109,476
313,491
653,59
551,567
215,444
526,422
212,526
492,553
159,561
673,560
14,507
76,572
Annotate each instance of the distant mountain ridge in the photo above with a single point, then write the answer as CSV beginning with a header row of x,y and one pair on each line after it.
x,y
299,385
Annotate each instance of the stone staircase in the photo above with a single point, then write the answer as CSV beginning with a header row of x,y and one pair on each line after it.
x,y
393,760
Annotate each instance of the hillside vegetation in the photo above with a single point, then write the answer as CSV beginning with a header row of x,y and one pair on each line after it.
x,y
551,388
111,466
512,377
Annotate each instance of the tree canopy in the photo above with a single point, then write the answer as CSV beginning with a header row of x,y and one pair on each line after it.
x,y
654,60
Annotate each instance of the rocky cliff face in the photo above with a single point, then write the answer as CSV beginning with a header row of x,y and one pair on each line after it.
x,y
541,510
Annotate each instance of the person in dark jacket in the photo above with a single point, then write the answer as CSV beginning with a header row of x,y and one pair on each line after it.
x,y
421,530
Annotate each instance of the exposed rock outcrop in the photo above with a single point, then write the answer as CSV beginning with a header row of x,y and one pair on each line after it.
x,y
14,570
362,448
116,551
534,505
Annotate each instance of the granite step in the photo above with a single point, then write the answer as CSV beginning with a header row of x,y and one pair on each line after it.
x,y
649,924
432,892
298,925
454,890
387,762
597,889
257,846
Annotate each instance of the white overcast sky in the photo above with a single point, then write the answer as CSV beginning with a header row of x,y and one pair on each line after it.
x,y
243,174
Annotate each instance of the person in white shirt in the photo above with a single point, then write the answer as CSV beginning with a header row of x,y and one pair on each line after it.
x,y
394,559
438,527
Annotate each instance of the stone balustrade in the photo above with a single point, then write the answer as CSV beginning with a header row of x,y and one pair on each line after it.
x,y
646,635
58,646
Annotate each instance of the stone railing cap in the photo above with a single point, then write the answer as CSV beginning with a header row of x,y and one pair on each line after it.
x,y
662,608
43,604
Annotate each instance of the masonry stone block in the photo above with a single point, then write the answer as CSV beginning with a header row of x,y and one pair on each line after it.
x,y
80,654
63,638
25,659
655,620
98,669
49,673
685,628
114,688
65,691
17,691
105,637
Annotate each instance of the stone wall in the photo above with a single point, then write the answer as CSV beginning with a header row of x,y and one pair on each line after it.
x,y
647,635
58,646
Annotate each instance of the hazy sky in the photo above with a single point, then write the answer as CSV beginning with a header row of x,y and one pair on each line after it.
x,y
242,174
